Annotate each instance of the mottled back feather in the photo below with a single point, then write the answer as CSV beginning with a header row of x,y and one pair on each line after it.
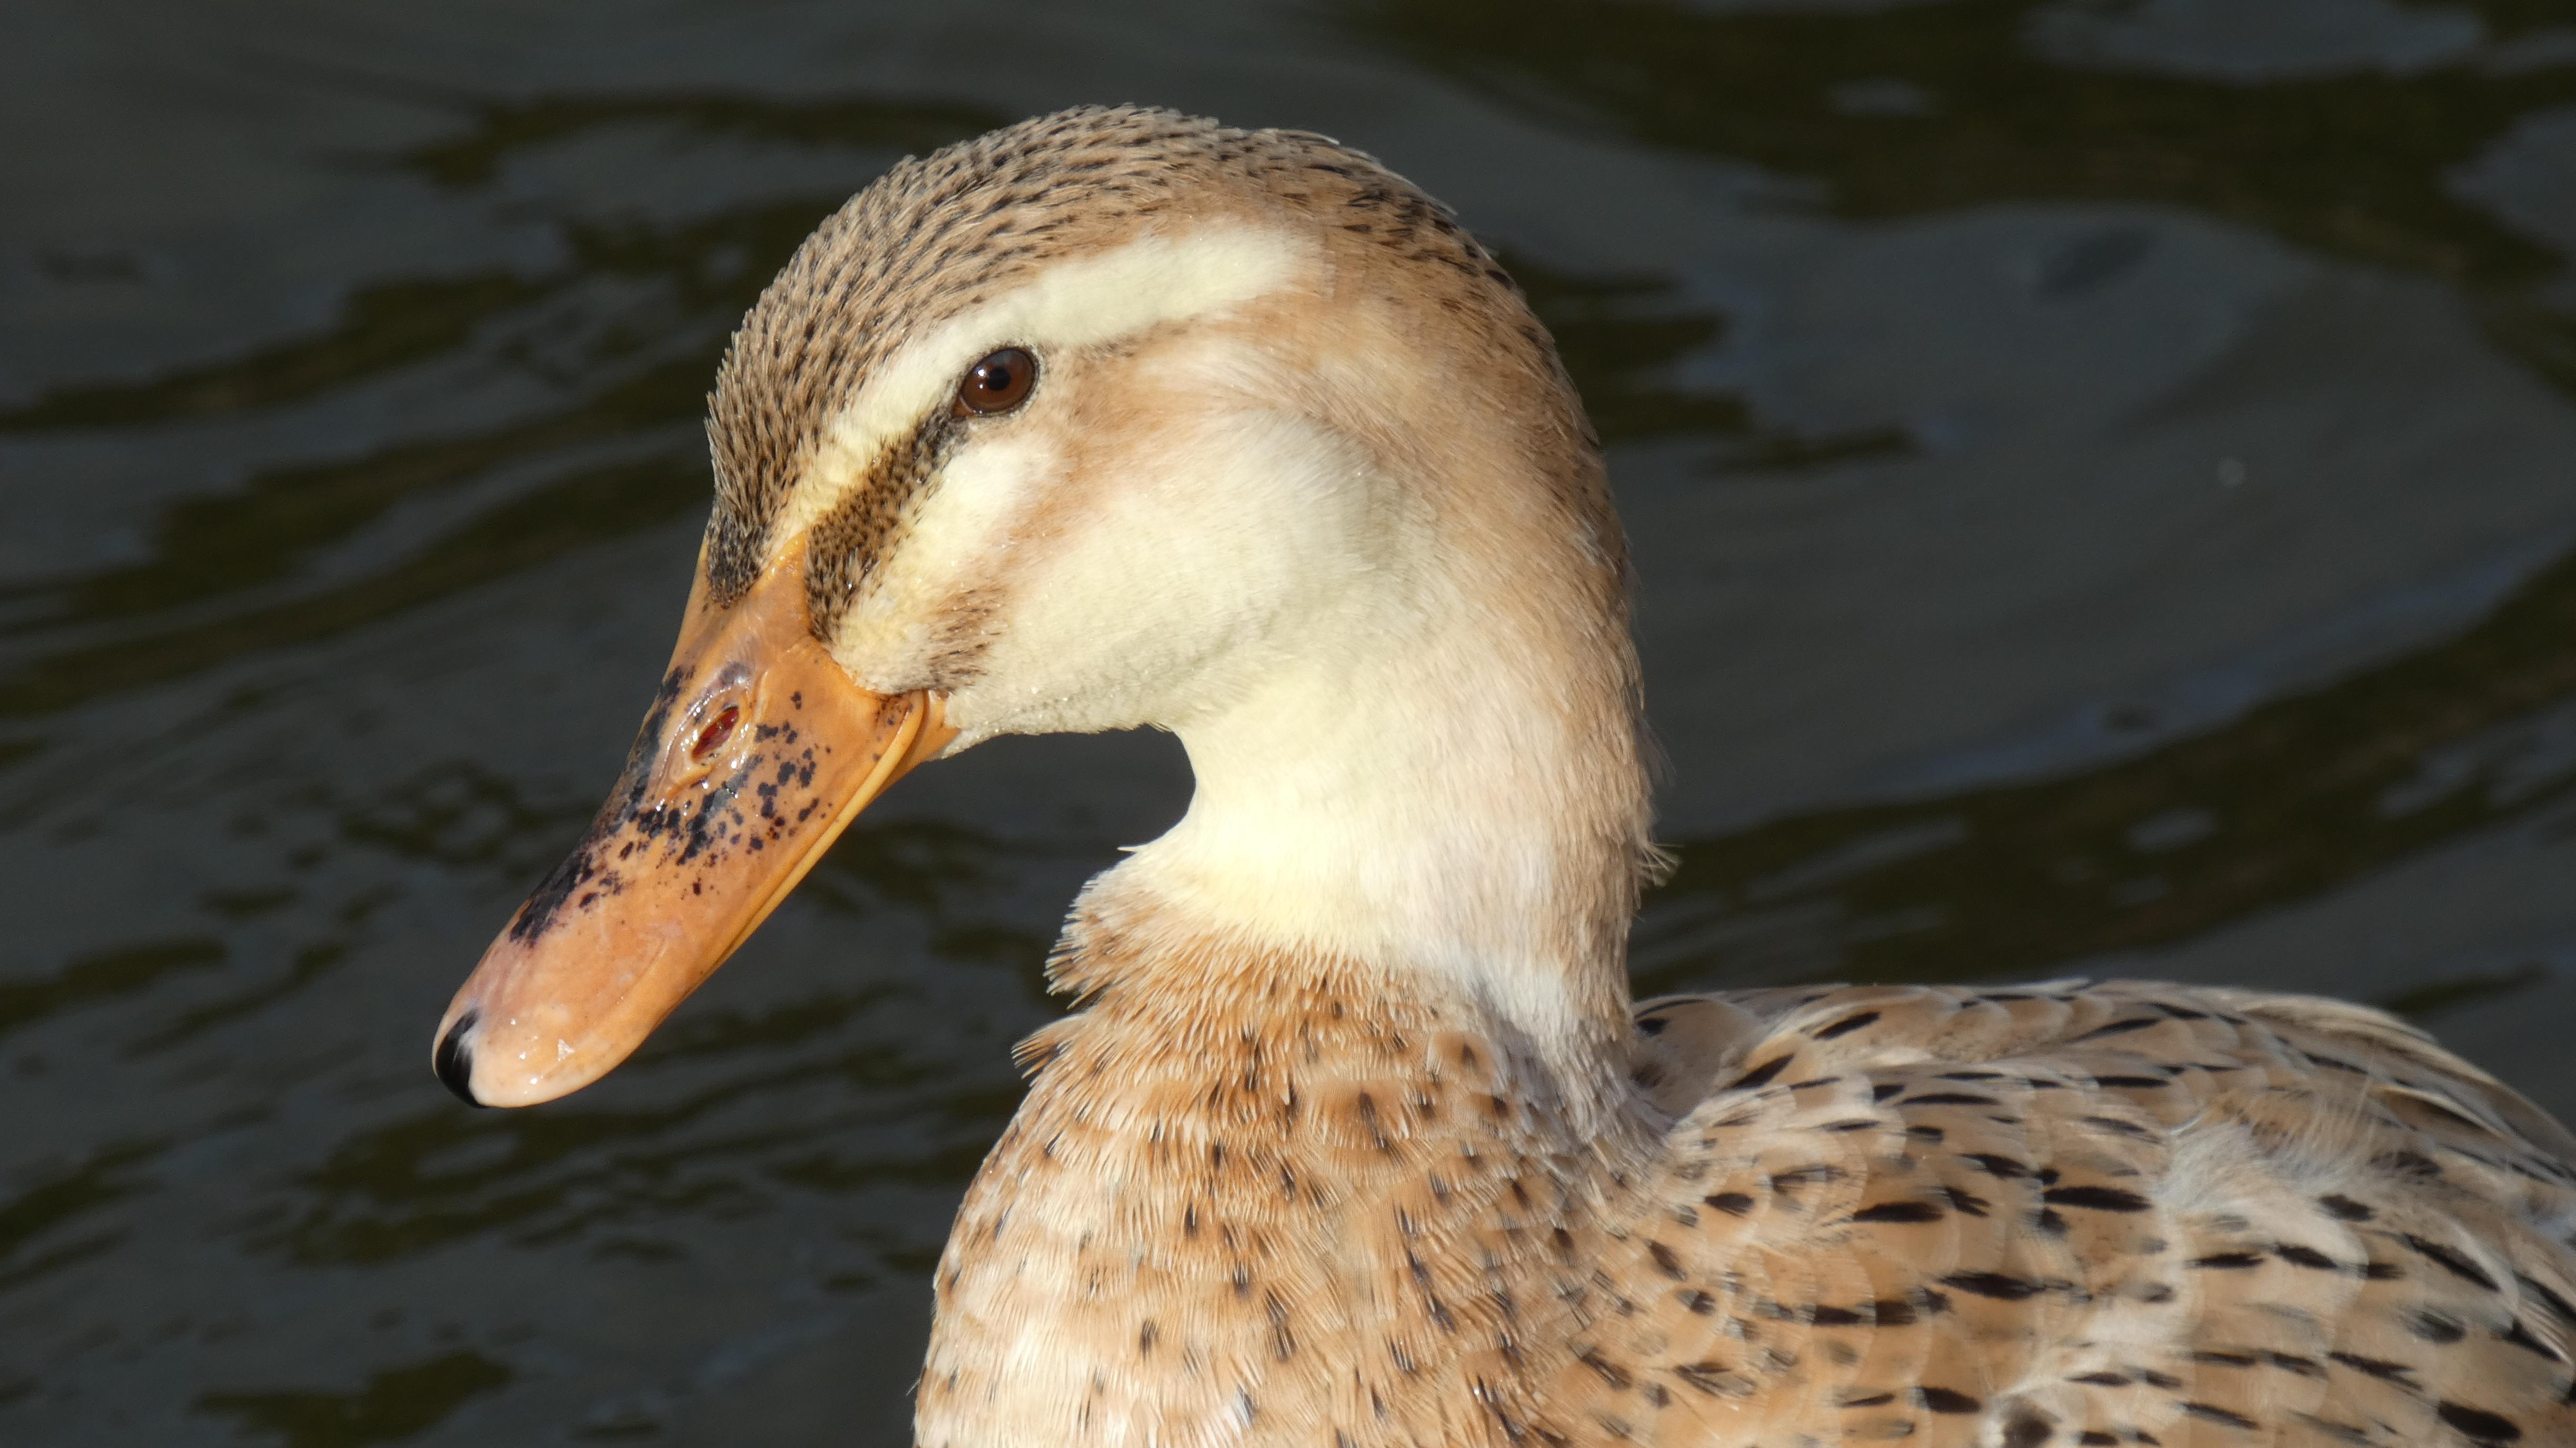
x,y
2087,1214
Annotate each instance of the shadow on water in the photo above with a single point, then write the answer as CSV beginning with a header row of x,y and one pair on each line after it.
x,y
220,581
586,508
381,328
59,1200
439,1177
100,975
1623,339
1912,108
396,1403
507,128
2294,798
2426,1002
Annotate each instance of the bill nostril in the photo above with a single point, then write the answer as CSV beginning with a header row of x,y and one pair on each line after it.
x,y
712,738
454,1060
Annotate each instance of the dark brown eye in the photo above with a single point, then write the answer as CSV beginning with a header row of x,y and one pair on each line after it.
x,y
998,383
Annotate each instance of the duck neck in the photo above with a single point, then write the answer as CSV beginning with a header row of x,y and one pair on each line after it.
x,y
1441,788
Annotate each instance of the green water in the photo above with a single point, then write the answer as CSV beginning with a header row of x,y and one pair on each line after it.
x,y
2103,475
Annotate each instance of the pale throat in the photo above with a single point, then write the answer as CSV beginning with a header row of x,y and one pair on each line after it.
x,y
1422,790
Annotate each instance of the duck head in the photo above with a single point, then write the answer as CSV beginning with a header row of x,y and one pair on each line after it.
x,y
1110,419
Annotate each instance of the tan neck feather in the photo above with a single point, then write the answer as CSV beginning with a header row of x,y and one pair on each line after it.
x,y
1284,1206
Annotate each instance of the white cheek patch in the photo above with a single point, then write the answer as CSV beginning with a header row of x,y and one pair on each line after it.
x,y
1082,301
1222,538
1189,537
951,543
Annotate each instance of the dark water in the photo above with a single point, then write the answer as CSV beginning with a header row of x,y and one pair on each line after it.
x,y
2104,475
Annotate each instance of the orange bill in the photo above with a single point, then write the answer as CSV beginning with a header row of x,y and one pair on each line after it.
x,y
758,752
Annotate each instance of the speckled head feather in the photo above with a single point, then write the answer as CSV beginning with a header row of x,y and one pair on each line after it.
x,y
938,234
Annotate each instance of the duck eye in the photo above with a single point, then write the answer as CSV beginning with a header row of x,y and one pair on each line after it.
x,y
998,383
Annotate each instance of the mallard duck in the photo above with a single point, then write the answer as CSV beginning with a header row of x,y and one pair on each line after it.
x,y
1118,418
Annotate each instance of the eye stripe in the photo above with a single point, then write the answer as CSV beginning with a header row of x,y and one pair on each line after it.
x,y
843,548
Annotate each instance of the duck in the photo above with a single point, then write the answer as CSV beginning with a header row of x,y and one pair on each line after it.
x,y
1352,1134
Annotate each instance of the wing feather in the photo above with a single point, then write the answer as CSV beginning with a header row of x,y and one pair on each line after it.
x,y
2085,1214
